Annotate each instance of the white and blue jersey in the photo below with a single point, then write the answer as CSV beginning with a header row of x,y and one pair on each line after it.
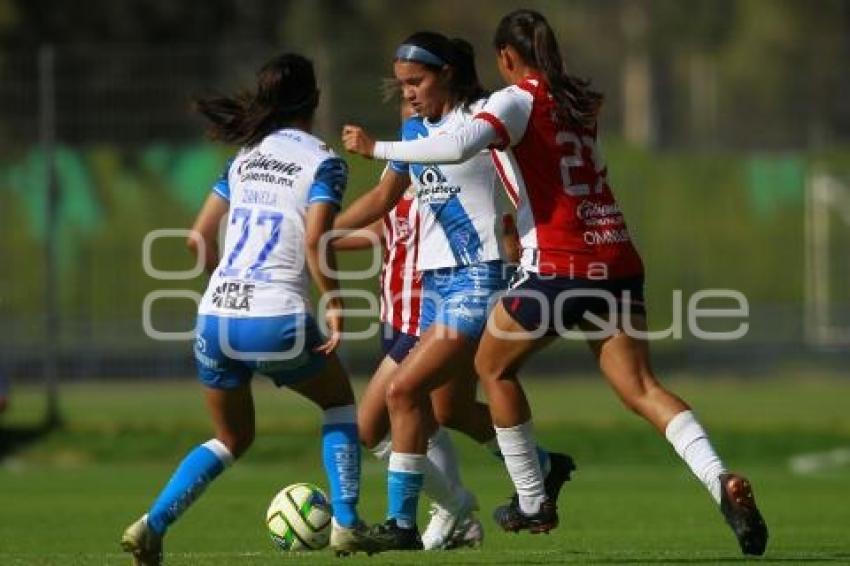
x,y
255,314
458,214
459,229
263,271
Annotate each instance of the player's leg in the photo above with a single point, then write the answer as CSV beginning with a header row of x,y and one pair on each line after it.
x,y
373,416
624,360
411,415
231,406
331,390
504,347
441,482
456,406
373,419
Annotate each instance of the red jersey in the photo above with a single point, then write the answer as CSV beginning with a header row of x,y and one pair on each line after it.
x,y
401,284
568,221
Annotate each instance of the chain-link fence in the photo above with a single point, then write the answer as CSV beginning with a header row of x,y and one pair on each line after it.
x,y
109,129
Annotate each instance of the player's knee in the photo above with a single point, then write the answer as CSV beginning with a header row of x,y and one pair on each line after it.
x,y
457,416
401,395
369,435
449,416
487,367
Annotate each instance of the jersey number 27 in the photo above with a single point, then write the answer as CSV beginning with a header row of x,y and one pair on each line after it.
x,y
574,161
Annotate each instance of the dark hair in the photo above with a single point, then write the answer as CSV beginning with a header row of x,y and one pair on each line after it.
x,y
286,91
529,33
457,53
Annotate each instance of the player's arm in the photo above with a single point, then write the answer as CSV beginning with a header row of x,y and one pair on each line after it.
x,y
451,148
323,202
363,239
203,239
501,123
321,261
374,204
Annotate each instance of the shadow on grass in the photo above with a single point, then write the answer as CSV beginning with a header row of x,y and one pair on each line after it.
x,y
16,438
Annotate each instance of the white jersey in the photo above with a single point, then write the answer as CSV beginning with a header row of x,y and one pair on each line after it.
x,y
459,220
263,271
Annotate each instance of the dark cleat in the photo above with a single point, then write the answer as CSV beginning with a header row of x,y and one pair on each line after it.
x,y
511,518
739,508
560,468
389,536
346,541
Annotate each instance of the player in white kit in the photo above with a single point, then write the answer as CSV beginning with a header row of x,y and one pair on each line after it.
x,y
461,266
280,195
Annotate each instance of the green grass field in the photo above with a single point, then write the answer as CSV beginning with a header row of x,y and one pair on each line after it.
x,y
66,498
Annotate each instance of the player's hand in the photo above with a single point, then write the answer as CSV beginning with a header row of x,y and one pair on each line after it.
x,y
356,140
333,318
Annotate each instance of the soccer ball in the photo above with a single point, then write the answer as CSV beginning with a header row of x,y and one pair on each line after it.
x,y
299,518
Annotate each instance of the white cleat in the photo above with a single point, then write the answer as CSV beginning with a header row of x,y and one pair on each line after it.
x,y
448,530
145,545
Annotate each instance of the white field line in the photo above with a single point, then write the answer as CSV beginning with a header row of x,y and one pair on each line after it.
x,y
814,462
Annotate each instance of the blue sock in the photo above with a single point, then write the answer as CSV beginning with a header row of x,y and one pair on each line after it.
x,y
195,472
341,458
404,482
542,455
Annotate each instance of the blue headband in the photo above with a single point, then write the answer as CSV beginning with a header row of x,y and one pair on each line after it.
x,y
408,52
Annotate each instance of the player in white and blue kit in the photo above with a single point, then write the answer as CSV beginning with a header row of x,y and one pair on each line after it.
x,y
460,260
280,195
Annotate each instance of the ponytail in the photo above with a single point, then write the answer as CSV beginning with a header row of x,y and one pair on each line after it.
x,y
465,85
286,91
527,31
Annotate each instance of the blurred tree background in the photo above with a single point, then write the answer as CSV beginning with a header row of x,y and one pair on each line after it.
x,y
717,114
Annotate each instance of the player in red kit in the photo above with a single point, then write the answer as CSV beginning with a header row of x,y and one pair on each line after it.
x,y
579,268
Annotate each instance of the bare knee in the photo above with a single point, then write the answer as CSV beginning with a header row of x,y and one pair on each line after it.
x,y
489,368
449,415
401,395
370,432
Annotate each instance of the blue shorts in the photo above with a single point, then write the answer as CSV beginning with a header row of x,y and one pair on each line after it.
x,y
461,297
229,350
395,343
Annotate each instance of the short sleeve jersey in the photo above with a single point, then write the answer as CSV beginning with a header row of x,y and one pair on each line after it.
x,y
568,220
457,202
262,271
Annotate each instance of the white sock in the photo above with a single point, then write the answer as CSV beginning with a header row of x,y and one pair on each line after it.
x,y
545,465
382,449
520,453
442,474
340,415
691,443
221,451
